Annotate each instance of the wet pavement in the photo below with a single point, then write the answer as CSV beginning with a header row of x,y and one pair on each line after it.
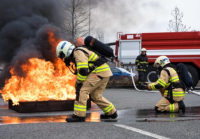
x,y
135,110
143,115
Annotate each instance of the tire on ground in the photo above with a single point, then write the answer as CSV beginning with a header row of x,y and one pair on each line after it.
x,y
195,75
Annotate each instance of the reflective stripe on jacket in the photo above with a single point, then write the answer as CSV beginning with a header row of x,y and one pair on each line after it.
x,y
142,62
165,80
82,62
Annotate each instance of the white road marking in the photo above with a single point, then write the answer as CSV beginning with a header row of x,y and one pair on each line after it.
x,y
194,92
141,131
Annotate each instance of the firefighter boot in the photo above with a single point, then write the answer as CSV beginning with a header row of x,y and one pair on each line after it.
x,y
104,116
75,118
181,106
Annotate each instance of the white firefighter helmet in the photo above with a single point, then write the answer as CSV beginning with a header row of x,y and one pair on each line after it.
x,y
64,49
144,49
161,61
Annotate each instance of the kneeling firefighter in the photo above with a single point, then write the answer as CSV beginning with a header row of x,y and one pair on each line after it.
x,y
170,86
93,74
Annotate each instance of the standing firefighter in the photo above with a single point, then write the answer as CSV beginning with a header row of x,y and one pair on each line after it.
x,y
142,65
92,77
170,86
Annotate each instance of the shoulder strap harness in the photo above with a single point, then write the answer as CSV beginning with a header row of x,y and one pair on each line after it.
x,y
171,87
100,61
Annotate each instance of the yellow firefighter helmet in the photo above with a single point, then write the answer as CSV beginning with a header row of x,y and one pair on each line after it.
x,y
64,49
161,61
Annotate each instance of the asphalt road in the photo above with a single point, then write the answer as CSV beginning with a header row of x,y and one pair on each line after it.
x,y
137,120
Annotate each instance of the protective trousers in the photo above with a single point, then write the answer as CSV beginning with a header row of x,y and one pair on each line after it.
x,y
93,86
142,78
165,106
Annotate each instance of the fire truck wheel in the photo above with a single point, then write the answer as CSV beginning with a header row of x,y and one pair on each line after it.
x,y
194,73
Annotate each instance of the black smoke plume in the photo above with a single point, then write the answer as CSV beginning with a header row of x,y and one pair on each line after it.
x,y
23,32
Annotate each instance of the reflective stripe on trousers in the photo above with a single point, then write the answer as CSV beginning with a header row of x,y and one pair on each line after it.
x,y
79,107
172,107
109,108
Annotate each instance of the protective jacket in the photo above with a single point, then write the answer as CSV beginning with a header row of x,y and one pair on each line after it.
x,y
142,62
164,81
92,81
163,84
83,57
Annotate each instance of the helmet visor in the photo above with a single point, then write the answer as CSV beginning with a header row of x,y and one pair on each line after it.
x,y
69,52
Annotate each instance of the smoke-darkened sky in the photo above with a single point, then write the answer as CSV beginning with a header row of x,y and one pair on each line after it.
x,y
138,16
24,27
24,23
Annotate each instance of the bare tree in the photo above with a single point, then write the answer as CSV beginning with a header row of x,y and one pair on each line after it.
x,y
176,25
76,18
100,34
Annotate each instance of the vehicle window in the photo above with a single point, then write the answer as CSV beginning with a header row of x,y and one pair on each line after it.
x,y
115,70
123,70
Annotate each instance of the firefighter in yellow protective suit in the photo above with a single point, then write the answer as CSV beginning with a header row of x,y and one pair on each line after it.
x,y
170,87
92,78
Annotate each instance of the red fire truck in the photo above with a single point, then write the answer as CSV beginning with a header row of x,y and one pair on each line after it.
x,y
180,47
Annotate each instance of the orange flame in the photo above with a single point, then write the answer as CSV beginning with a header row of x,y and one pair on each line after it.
x,y
80,41
44,80
53,41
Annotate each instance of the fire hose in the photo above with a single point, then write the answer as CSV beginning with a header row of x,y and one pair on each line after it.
x,y
132,77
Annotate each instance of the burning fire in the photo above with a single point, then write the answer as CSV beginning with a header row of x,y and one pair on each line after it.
x,y
80,41
44,80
